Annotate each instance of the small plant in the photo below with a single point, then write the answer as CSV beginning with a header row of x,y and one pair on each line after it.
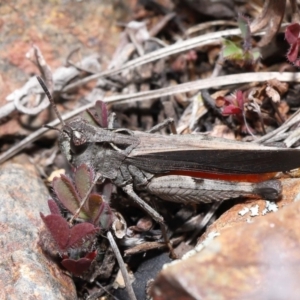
x,y
72,195
67,238
76,243
252,104
64,235
98,116
292,35
81,265
239,49
236,105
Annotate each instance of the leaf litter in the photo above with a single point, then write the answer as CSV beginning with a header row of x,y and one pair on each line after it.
x,y
161,69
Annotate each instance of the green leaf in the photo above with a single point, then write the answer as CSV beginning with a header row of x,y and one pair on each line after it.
x,y
67,194
106,216
255,54
244,27
232,51
88,117
83,180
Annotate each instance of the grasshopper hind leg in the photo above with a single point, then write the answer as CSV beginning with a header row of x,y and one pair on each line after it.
x,y
186,190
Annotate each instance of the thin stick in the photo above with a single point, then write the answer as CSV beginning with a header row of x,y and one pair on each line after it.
x,y
122,266
97,295
191,43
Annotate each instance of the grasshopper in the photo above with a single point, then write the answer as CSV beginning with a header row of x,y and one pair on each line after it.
x,y
181,168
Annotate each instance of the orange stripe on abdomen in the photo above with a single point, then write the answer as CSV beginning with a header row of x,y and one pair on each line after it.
x,y
227,177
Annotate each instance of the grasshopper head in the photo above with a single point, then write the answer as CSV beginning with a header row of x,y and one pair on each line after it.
x,y
73,140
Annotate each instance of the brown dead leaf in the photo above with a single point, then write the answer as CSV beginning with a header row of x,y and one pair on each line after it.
x,y
273,94
222,131
281,87
269,19
283,108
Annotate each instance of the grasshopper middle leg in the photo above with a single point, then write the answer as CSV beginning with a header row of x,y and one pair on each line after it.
x,y
128,189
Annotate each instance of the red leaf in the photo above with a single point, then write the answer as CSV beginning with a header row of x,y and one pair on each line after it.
x,y
91,255
292,33
65,237
231,110
77,267
227,100
293,52
102,113
80,232
59,230
54,209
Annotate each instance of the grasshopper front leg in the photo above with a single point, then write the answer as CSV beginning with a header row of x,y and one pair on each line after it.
x,y
167,123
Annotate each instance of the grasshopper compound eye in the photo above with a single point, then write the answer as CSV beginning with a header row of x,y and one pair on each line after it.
x,y
78,142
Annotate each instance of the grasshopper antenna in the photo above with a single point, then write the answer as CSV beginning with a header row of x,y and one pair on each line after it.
x,y
44,87
51,127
